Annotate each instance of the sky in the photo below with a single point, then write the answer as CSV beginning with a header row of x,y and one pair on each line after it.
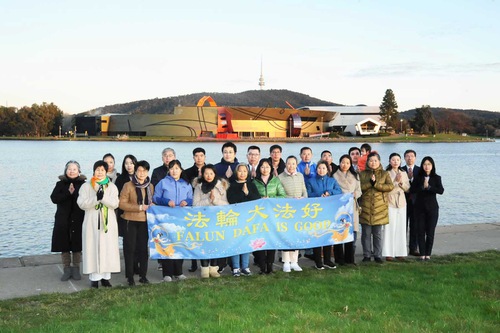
x,y
85,55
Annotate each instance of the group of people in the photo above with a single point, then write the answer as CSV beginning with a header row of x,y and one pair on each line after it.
x,y
92,215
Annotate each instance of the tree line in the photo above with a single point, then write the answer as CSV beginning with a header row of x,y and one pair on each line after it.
x,y
428,120
35,120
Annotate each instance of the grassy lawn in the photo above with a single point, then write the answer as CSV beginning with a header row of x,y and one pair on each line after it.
x,y
455,293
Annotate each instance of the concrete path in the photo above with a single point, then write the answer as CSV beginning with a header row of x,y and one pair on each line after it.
x,y
34,275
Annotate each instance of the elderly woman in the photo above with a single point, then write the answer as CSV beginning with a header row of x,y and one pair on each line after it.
x,y
99,199
67,232
348,180
395,231
375,184
135,199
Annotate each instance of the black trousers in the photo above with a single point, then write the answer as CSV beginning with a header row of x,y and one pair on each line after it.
x,y
171,267
327,255
427,218
135,247
209,262
344,253
264,257
411,226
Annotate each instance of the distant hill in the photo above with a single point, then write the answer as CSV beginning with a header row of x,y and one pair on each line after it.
x,y
438,111
257,98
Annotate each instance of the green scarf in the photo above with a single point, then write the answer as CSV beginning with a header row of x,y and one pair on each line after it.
x,y
99,206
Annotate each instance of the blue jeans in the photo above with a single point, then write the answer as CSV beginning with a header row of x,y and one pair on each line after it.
x,y
245,258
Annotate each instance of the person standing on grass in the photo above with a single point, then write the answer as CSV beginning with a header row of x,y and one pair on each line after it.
x,y
135,199
199,157
425,187
322,186
395,231
348,180
167,155
241,189
269,186
173,191
295,187
67,232
128,171
99,199
375,184
210,190
411,225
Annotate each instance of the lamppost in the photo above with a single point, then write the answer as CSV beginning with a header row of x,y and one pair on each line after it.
x,y
59,131
401,121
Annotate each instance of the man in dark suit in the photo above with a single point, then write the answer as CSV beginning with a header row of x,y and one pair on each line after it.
x,y
412,170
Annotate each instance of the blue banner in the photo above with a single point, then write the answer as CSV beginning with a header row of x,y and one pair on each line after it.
x,y
265,224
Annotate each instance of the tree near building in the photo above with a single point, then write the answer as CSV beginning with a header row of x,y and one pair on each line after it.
x,y
424,121
389,110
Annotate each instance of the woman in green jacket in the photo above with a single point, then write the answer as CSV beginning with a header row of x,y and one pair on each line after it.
x,y
375,184
268,187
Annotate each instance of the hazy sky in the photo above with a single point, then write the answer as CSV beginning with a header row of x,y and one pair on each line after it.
x,y
94,53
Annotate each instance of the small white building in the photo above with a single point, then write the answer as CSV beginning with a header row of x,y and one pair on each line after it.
x,y
357,120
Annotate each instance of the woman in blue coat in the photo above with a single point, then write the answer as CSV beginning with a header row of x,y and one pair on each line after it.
x,y
173,191
322,186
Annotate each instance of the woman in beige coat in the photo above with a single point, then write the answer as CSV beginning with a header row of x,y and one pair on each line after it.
x,y
210,190
395,231
375,184
99,199
348,180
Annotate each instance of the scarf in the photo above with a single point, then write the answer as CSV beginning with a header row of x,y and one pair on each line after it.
x,y
112,175
206,187
104,184
138,189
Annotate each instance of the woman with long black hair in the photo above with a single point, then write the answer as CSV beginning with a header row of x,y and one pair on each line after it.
x,y
425,186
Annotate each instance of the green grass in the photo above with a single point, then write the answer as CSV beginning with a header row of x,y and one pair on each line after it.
x,y
455,293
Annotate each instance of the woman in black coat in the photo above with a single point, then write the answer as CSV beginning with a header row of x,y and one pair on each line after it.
x,y
426,209
67,232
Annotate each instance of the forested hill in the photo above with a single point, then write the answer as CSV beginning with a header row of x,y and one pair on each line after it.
x,y
471,113
259,98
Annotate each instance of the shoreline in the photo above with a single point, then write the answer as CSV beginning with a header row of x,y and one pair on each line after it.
x,y
380,139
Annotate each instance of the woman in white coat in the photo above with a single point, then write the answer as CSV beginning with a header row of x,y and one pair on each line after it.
x,y
99,199
395,231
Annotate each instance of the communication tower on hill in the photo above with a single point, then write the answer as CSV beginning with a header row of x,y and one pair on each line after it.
x,y
261,79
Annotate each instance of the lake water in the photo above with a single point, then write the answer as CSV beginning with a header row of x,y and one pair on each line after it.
x,y
30,170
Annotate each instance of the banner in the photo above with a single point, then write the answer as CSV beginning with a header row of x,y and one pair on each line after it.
x,y
211,232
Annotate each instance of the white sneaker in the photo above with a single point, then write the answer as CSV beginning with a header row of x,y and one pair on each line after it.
x,y
286,267
167,279
295,267
180,277
236,272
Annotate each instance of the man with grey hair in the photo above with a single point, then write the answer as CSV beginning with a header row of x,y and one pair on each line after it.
x,y
167,155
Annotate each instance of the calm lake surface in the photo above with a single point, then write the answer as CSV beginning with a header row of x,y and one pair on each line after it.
x,y
30,170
